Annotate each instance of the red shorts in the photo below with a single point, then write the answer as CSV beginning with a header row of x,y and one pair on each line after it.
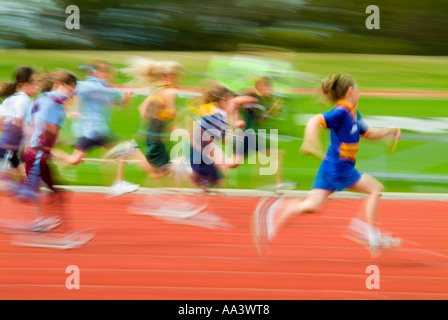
x,y
37,169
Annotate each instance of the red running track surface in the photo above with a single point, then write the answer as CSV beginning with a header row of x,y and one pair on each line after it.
x,y
141,257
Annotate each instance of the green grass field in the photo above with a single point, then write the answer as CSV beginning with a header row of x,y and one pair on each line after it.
x,y
419,165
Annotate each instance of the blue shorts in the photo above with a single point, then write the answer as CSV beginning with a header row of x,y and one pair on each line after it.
x,y
205,172
336,176
86,144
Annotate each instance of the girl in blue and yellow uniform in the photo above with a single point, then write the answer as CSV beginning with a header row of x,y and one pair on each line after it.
x,y
217,113
337,171
213,113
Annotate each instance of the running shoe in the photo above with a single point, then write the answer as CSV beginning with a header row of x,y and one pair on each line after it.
x,y
71,240
386,243
176,211
285,186
40,225
45,224
122,187
263,229
200,219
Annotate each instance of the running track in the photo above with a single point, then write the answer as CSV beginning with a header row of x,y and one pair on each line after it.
x,y
141,257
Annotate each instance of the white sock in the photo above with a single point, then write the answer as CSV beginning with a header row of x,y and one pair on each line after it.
x,y
374,234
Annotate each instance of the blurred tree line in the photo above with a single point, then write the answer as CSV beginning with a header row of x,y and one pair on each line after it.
x,y
406,26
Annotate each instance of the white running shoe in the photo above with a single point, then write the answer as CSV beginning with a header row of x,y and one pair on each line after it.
x,y
201,219
263,230
72,240
40,225
186,211
285,186
175,211
271,233
121,187
386,243
45,224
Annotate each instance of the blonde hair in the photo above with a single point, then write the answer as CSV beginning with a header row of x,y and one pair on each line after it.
x,y
335,86
48,80
152,71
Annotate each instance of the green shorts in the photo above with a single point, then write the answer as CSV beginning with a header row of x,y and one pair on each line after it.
x,y
156,154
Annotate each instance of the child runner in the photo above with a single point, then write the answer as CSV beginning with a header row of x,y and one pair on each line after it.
x,y
212,115
336,172
158,110
48,114
13,114
255,115
92,114
218,112
14,121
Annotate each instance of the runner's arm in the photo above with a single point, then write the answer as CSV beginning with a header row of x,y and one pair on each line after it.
x,y
311,141
379,133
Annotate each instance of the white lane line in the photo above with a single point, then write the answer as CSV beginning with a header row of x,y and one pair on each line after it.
x,y
260,193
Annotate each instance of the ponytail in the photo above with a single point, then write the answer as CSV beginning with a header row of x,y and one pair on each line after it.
x,y
335,86
7,89
22,75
